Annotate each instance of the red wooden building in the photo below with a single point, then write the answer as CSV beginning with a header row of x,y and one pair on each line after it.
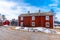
x,y
6,22
44,19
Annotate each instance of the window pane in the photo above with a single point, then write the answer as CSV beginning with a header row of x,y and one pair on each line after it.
x,y
33,17
47,24
47,17
21,23
33,23
21,18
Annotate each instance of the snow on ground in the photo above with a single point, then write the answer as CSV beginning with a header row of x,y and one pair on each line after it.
x,y
17,27
58,33
37,29
7,34
5,25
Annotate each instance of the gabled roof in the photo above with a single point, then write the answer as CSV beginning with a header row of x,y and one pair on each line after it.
x,y
37,14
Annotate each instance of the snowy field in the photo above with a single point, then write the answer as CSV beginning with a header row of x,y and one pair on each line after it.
x,y
38,29
7,34
35,29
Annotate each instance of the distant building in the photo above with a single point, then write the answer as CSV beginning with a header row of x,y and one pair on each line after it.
x,y
1,22
44,19
56,23
3,17
6,22
13,22
0,17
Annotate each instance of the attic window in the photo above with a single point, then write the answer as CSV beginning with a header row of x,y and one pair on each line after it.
x,y
47,17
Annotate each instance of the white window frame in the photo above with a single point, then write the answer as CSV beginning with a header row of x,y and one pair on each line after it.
x,y
47,17
21,18
21,23
33,17
47,24
33,23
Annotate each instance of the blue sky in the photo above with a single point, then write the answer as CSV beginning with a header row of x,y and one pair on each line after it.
x,y
13,8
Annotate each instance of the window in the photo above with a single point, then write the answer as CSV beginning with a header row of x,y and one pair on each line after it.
x,y
33,23
21,18
21,23
47,17
33,17
47,24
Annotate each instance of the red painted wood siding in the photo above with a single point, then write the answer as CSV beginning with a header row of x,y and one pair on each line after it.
x,y
27,21
51,21
42,21
19,21
39,21
6,22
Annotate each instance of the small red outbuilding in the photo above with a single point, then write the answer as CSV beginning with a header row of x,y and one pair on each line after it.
x,y
6,22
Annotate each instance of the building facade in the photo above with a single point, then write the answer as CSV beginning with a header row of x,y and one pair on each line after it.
x,y
6,22
13,22
36,20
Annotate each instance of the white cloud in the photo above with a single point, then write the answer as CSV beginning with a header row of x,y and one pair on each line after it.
x,y
57,10
5,8
58,16
55,1
13,9
53,5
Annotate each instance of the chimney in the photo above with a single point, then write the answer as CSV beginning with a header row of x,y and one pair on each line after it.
x,y
28,12
39,11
